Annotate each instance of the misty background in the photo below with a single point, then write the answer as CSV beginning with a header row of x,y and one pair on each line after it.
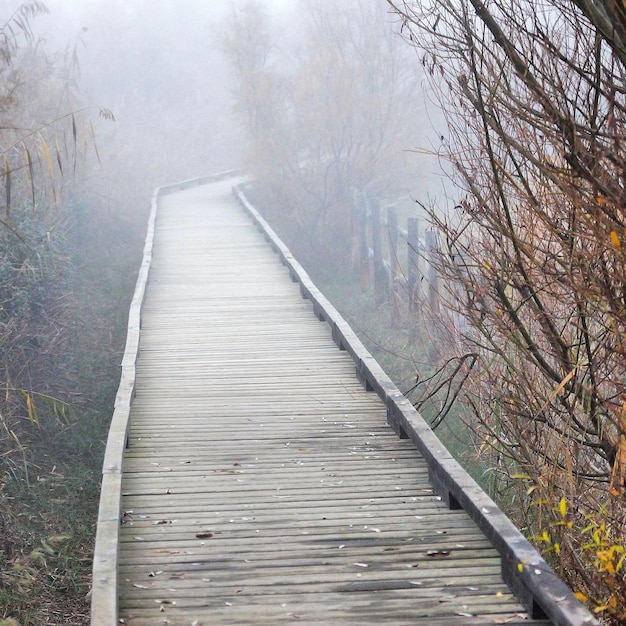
x,y
159,67
322,103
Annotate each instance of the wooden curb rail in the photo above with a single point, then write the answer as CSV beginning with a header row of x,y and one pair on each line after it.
x,y
531,579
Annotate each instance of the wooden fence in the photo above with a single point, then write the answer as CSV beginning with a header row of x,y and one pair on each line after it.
x,y
398,263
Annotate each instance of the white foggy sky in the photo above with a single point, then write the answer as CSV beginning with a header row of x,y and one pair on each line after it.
x,y
157,66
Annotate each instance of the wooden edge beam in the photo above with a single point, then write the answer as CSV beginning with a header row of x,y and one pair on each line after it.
x,y
531,579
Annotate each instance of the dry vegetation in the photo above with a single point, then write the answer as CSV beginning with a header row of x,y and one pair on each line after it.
x,y
534,257
62,322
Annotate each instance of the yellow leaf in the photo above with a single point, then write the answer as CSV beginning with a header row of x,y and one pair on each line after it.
x,y
563,507
581,596
558,389
541,502
615,239
31,409
520,568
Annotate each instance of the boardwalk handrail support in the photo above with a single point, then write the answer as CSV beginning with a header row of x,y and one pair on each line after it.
x,y
530,578
104,592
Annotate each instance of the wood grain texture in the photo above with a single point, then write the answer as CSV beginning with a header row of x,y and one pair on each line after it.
x,y
262,484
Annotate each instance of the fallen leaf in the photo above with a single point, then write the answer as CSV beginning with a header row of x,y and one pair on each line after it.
x,y
204,534
438,553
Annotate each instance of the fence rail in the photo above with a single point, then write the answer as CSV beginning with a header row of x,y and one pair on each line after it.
x,y
398,263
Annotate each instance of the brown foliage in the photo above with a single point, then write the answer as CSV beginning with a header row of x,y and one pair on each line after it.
x,y
535,257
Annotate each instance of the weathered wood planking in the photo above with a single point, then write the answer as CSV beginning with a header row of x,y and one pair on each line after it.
x,y
262,484
104,591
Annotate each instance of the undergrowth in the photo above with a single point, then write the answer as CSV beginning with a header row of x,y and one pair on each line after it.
x,y
50,467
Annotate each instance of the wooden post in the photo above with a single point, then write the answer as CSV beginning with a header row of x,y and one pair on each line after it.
x,y
430,239
354,232
380,279
413,271
364,260
395,271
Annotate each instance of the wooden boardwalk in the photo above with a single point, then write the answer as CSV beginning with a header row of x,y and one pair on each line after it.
x,y
262,483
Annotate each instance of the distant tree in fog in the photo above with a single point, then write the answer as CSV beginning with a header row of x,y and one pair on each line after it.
x,y
327,112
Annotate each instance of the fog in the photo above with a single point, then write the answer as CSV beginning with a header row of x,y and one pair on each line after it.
x,y
158,67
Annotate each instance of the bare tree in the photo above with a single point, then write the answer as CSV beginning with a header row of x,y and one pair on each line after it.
x,y
534,257
326,112
250,45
